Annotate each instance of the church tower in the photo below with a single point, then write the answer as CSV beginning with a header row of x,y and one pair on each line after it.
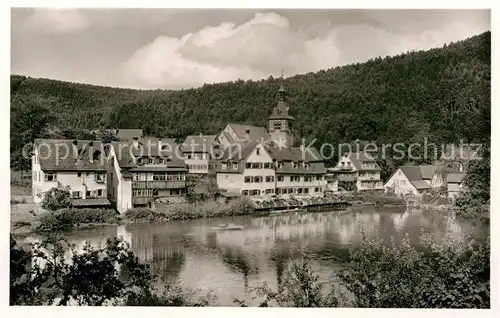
x,y
280,122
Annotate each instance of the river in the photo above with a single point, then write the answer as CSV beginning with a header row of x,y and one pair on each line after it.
x,y
230,262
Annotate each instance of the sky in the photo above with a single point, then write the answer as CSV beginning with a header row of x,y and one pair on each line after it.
x,y
183,48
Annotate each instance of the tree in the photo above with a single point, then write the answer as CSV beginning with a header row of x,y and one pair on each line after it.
x,y
56,198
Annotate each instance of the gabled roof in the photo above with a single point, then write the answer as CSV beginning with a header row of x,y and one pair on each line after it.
x,y
126,153
127,134
239,151
414,175
427,171
256,133
71,155
357,159
455,177
201,143
294,154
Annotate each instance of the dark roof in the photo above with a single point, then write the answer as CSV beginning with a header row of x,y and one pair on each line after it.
x,y
201,143
414,175
357,159
127,134
126,154
238,151
420,185
256,133
90,202
427,171
65,155
294,154
455,177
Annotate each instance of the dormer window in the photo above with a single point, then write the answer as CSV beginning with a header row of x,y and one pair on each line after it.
x,y
235,166
295,165
279,164
150,160
224,166
306,165
96,155
139,161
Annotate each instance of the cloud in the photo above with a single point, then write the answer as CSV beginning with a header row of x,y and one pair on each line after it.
x,y
266,43
56,20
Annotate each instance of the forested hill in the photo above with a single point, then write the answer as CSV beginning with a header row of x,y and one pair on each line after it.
x,y
443,93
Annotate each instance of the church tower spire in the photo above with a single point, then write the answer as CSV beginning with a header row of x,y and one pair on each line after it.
x,y
280,121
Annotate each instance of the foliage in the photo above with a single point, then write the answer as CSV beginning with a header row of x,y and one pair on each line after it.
x,y
454,274
476,184
300,287
110,275
15,201
56,198
136,215
90,278
67,219
442,94
168,295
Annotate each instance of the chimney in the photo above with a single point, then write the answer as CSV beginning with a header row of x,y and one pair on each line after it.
x,y
247,134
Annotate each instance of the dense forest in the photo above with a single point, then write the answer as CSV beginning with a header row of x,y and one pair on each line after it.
x,y
442,94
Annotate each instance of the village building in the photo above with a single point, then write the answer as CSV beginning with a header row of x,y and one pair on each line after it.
x,y
260,163
143,171
128,134
257,170
76,165
200,154
415,180
332,181
454,184
358,171
237,133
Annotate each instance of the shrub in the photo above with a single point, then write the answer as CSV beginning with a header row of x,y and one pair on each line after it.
x,y
145,215
56,198
168,295
66,219
451,275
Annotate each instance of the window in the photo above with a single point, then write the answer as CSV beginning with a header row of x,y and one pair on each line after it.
x,y
277,125
319,177
248,179
155,192
307,179
294,178
161,161
307,165
88,194
150,160
257,179
348,163
295,165
268,165
257,151
256,165
280,164
50,177
79,174
76,195
269,191
299,190
235,166
224,166
99,177
99,192
189,156
281,178
306,190
245,192
254,192
159,176
270,179
278,191
248,165
135,176
291,190
142,176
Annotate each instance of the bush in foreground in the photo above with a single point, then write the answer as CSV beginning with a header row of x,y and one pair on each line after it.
x,y
111,275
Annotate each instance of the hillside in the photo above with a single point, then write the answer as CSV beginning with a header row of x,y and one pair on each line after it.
x,y
442,94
